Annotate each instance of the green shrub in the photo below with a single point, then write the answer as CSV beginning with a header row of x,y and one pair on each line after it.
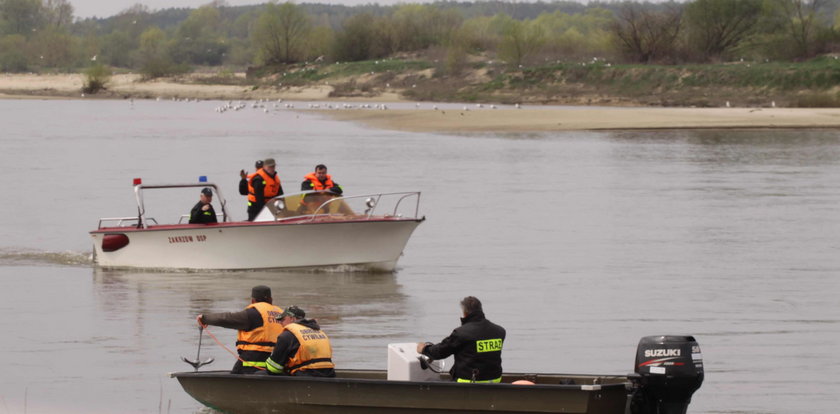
x,y
818,100
96,78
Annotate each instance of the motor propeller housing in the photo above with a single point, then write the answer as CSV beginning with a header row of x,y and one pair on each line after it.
x,y
668,370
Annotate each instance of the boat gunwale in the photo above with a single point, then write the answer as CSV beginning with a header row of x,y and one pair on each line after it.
x,y
283,378
249,224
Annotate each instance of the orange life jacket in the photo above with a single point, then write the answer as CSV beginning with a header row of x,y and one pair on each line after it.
x,y
265,337
249,178
270,189
316,184
314,351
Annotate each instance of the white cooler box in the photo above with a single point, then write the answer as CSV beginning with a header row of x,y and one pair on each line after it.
x,y
403,364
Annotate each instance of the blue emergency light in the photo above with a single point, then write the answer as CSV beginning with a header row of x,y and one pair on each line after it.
x,y
202,178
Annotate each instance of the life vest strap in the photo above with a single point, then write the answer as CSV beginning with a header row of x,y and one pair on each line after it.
x,y
495,380
255,343
311,361
254,364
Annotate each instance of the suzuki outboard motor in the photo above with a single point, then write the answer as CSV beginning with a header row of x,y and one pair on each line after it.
x,y
668,370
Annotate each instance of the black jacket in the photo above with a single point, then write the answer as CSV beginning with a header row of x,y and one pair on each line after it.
x,y
474,348
243,186
197,216
247,319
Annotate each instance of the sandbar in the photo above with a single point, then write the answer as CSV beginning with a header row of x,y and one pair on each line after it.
x,y
425,119
592,118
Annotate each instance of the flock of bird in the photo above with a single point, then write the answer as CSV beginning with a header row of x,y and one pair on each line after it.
x,y
269,105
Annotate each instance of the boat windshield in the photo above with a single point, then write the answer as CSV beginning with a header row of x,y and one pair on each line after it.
x,y
322,205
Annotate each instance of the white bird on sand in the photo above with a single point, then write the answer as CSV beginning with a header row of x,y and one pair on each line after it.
x,y
518,106
773,104
727,104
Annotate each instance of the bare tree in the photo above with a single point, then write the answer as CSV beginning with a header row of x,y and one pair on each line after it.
x,y
646,34
281,33
20,16
520,40
803,20
58,13
717,26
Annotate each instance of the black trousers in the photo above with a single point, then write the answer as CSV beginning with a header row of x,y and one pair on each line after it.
x,y
257,356
254,209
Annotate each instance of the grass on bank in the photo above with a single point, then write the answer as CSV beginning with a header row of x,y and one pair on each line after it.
x,y
814,83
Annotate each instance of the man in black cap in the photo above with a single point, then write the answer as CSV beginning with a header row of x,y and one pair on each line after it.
x,y
258,330
476,344
244,177
203,212
303,349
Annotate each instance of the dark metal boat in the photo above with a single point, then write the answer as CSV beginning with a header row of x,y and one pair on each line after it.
x,y
368,391
668,371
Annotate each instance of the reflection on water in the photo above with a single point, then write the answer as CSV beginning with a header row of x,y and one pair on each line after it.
x,y
100,336
368,300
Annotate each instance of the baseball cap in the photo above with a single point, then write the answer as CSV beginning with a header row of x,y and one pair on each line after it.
x,y
293,311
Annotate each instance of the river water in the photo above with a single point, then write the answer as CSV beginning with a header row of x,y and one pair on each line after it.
x,y
579,243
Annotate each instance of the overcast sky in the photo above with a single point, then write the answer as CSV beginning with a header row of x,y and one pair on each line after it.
x,y
108,8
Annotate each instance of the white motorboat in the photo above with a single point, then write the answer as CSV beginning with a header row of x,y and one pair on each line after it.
x,y
303,230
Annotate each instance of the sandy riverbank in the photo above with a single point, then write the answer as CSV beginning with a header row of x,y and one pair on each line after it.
x,y
585,118
17,86
21,86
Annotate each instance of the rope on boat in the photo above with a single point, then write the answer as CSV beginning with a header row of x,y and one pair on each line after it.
x,y
206,329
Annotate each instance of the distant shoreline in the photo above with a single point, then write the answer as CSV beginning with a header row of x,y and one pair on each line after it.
x,y
624,118
124,86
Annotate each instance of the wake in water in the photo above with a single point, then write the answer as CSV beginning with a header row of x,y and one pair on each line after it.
x,y
12,256
37,257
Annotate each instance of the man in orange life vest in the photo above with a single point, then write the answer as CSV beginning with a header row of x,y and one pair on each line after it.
x,y
258,330
325,188
245,178
320,181
263,186
302,349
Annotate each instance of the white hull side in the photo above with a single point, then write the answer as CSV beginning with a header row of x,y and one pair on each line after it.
x,y
371,244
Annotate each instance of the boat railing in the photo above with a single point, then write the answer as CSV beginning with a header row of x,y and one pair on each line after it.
x,y
220,217
124,221
141,207
315,205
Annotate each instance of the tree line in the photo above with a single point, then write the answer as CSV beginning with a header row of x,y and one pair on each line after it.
x,y
37,35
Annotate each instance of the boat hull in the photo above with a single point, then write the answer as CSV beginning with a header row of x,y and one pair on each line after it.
x,y
363,391
371,244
